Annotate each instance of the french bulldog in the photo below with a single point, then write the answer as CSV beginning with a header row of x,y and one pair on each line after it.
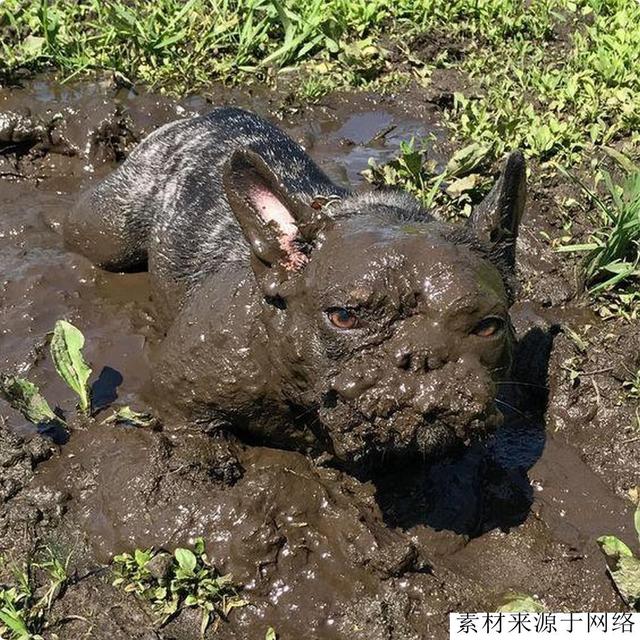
x,y
301,314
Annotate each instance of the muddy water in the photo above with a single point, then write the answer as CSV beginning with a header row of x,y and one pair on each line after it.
x,y
322,554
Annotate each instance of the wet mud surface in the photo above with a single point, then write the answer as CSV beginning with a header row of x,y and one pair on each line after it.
x,y
322,554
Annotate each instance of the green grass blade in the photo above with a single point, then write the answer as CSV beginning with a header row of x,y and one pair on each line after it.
x,y
15,623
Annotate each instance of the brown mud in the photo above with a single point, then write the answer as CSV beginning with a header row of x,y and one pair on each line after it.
x,y
321,554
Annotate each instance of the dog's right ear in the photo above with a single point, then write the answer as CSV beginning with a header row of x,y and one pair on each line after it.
x,y
278,225
496,219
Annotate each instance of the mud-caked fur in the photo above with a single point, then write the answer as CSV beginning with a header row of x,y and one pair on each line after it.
x,y
299,312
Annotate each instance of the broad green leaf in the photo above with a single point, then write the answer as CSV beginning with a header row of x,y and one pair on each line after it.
x,y
186,559
520,603
626,576
66,351
126,415
142,557
25,397
271,634
32,46
466,159
190,601
459,186
613,547
623,160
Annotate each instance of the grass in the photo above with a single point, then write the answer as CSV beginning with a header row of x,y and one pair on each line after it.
x,y
172,582
548,97
556,101
613,251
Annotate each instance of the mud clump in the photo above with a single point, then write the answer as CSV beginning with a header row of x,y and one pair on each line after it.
x,y
20,134
26,512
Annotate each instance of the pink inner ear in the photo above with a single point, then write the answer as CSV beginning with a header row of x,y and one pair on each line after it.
x,y
272,209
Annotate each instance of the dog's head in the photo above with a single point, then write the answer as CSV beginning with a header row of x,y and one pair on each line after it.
x,y
389,327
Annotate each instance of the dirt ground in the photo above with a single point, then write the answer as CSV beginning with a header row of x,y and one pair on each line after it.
x,y
320,554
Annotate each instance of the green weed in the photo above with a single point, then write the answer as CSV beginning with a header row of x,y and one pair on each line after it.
x,y
557,101
613,251
67,343
632,386
22,614
453,189
172,582
66,348
555,79
623,566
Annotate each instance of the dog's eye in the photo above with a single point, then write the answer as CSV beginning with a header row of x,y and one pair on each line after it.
x,y
342,318
490,326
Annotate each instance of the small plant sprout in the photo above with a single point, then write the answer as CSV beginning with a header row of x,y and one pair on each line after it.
x,y
632,386
58,571
66,350
172,582
127,416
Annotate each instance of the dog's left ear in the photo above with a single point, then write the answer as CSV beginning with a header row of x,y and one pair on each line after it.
x,y
277,224
497,218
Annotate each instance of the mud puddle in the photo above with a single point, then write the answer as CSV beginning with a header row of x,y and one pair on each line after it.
x,y
321,554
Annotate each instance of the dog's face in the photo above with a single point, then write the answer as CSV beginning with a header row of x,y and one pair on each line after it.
x,y
392,328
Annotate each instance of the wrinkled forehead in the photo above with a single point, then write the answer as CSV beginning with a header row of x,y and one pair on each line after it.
x,y
410,262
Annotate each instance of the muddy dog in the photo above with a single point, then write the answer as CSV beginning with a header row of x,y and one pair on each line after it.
x,y
298,312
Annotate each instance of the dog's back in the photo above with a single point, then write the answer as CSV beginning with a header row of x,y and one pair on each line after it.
x,y
165,207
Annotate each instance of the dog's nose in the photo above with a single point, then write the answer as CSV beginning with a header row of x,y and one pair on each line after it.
x,y
416,360
421,345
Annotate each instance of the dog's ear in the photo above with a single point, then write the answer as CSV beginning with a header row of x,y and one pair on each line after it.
x,y
279,226
496,219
